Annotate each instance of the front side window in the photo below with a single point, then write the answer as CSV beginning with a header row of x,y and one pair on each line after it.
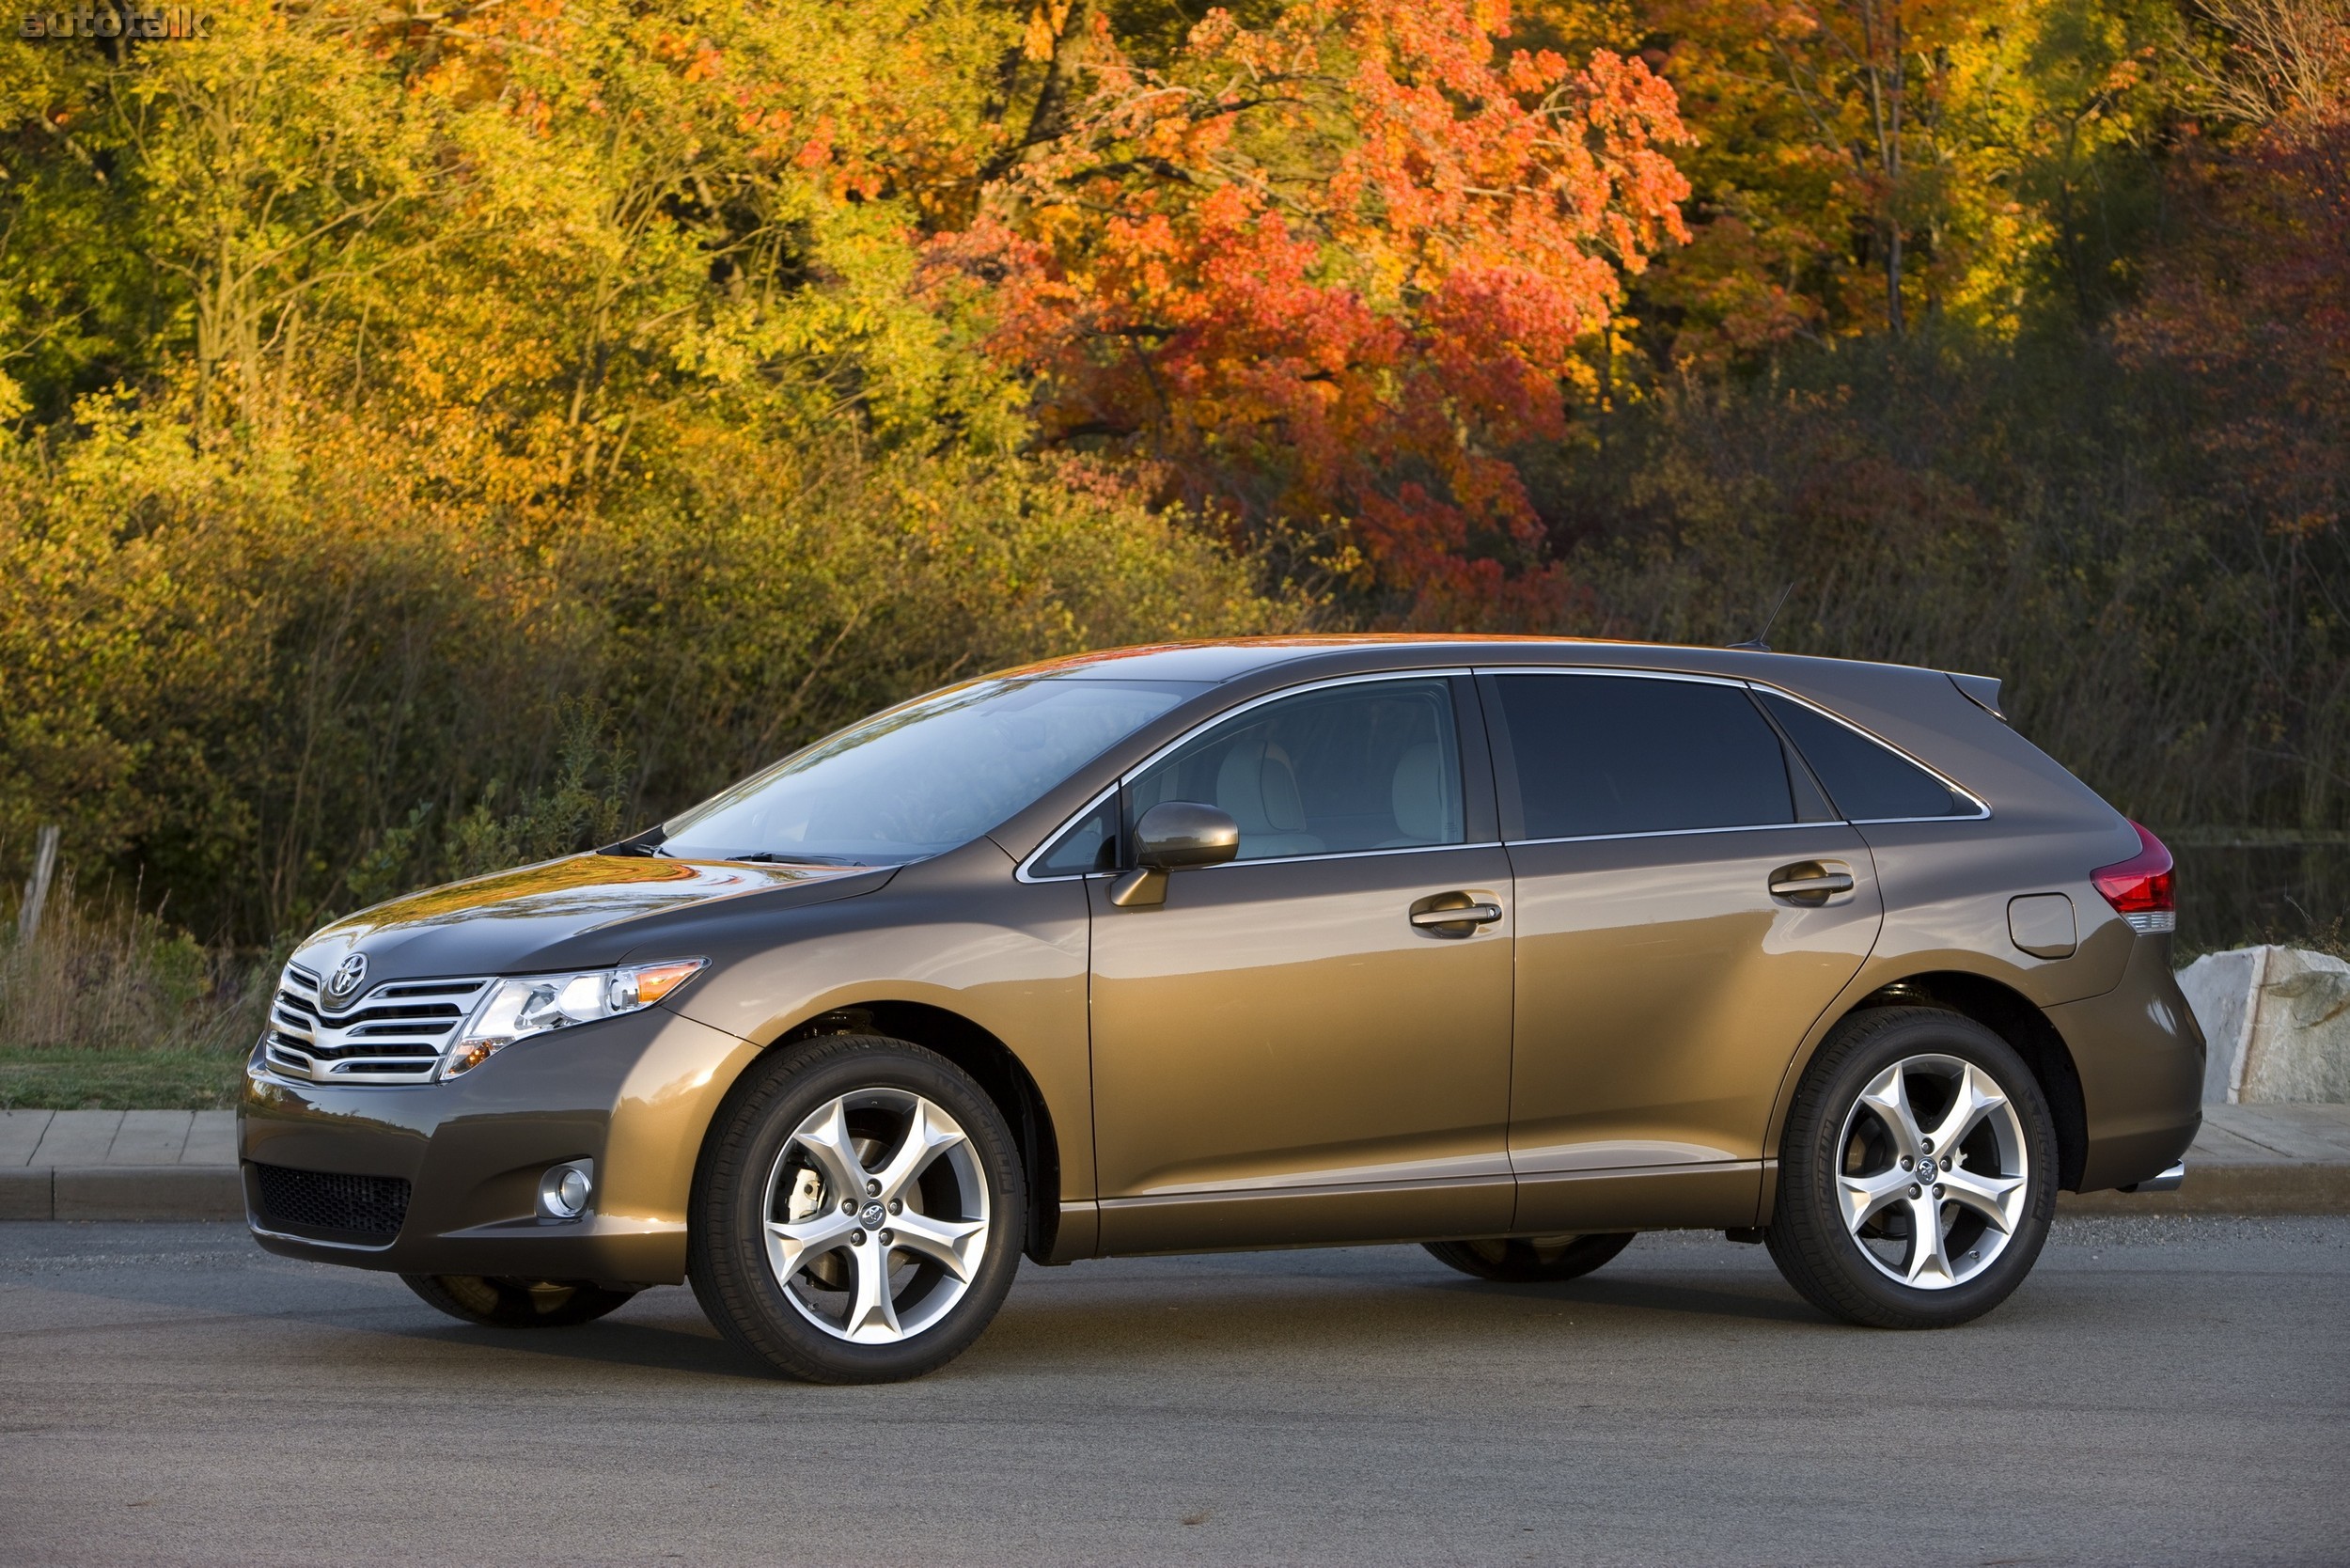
x,y
1369,765
1600,755
922,778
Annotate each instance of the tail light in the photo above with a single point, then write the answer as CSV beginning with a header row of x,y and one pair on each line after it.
x,y
2139,887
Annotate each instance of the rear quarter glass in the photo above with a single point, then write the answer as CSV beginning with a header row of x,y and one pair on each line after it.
x,y
1868,782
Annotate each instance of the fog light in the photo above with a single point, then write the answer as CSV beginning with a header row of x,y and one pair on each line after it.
x,y
563,1191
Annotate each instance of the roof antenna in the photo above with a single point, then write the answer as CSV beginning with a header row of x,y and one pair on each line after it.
x,y
1755,643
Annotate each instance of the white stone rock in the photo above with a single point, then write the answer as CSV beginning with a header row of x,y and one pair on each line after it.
x,y
2300,1052
2278,1023
2218,988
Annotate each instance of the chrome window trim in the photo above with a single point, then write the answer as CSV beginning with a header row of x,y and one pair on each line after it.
x,y
1023,872
1326,854
1982,806
1329,855
1684,832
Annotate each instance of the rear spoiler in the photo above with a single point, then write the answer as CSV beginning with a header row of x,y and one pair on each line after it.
x,y
1983,690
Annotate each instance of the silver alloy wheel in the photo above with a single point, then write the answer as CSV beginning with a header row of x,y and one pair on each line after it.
x,y
876,1216
1933,1172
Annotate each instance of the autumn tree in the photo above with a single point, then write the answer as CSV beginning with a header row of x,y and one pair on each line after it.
x,y
1863,162
2250,308
380,381
1337,264
544,231
2253,300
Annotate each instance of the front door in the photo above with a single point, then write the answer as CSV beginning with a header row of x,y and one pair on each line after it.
x,y
1687,907
1280,1051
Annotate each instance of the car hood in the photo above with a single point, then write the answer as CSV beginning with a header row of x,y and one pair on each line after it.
x,y
583,912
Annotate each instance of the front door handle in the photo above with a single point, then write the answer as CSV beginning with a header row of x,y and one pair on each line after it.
x,y
1458,915
1810,882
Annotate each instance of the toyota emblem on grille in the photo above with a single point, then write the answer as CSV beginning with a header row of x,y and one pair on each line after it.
x,y
347,976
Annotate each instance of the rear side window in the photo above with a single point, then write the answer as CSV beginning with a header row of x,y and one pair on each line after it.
x,y
1599,754
1869,781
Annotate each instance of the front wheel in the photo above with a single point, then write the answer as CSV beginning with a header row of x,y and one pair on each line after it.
x,y
857,1216
496,1302
1525,1260
1918,1173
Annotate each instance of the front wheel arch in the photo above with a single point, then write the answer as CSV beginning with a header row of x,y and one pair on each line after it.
x,y
939,1121
994,1065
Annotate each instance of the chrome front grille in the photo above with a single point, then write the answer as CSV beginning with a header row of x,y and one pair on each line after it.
x,y
393,1033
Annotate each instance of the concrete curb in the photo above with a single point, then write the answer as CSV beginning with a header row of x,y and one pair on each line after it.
x,y
122,1192
178,1192
2290,1188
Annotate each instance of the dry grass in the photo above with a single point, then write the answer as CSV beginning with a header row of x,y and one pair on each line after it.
x,y
101,974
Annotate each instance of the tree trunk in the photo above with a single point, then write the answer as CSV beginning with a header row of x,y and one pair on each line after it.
x,y
1057,99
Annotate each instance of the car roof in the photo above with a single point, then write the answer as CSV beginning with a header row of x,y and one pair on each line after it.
x,y
1228,659
1217,660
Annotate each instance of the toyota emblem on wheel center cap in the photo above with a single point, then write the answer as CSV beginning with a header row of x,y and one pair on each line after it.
x,y
872,1215
347,976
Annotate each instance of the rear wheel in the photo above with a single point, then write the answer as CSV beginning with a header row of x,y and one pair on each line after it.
x,y
1519,1259
497,1302
857,1216
1918,1172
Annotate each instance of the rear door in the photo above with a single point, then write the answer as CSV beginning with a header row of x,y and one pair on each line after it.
x,y
1687,904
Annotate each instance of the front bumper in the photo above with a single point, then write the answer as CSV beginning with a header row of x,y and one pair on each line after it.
x,y
634,1094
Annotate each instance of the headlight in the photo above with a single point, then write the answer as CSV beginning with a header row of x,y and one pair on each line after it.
x,y
518,1009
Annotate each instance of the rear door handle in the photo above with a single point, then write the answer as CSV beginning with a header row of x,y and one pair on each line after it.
x,y
1810,882
1462,914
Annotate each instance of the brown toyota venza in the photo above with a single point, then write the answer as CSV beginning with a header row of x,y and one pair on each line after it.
x,y
1511,947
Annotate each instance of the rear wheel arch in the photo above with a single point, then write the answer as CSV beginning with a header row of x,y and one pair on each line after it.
x,y
991,1063
2012,1016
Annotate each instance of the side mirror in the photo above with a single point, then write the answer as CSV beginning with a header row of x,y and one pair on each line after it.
x,y
1173,836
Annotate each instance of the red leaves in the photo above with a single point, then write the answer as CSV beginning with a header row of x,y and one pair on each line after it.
x,y
2254,305
1336,266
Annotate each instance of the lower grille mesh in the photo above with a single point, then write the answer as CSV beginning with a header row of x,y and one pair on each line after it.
x,y
319,1201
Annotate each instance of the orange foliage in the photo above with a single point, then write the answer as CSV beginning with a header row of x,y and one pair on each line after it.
x,y
1335,266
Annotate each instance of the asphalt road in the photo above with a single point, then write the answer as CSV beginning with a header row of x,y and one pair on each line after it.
x,y
2171,1390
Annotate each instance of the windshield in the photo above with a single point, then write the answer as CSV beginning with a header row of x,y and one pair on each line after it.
x,y
922,778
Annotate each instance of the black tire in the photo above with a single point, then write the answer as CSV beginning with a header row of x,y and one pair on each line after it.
x,y
1524,1259
748,1143
501,1303
1830,1264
